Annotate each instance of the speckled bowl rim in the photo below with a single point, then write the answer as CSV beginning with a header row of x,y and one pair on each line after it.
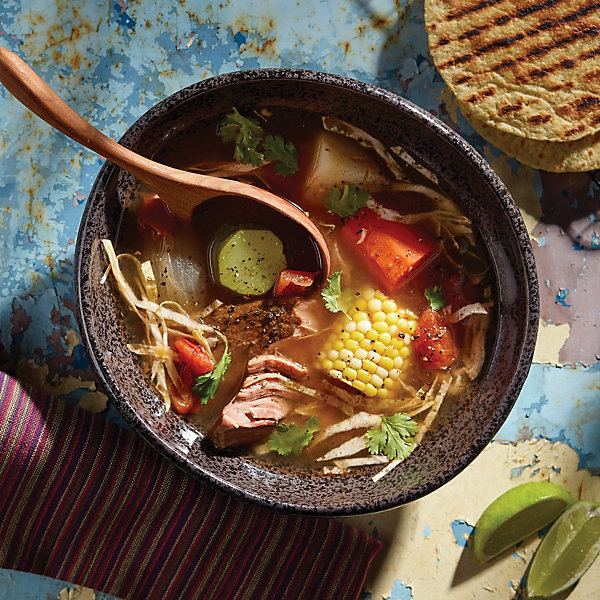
x,y
461,146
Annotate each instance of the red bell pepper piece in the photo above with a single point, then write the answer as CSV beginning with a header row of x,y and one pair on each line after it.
x,y
392,251
293,283
194,357
156,215
433,341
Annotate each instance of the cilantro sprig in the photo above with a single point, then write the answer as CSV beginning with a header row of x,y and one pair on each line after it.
x,y
247,135
394,437
335,300
291,439
282,153
206,385
435,297
251,146
346,203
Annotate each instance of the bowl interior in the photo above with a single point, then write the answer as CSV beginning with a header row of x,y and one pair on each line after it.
x,y
460,434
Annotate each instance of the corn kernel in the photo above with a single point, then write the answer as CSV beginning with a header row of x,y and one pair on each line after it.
x,y
412,327
380,326
366,344
404,352
344,336
393,330
383,392
361,354
386,362
357,336
374,305
388,383
391,352
355,363
377,381
398,343
368,294
392,318
359,315
378,346
403,325
363,376
372,335
374,356
359,385
380,295
385,339
389,306
327,364
360,303
363,326
351,345
398,362
370,390
335,373
349,373
340,365
338,344
369,365
350,327
395,374
381,372
378,316
333,355
345,354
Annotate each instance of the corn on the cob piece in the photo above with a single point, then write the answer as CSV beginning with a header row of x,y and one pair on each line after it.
x,y
369,351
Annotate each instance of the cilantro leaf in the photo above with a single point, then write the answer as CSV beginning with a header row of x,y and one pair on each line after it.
x,y
206,385
247,135
291,439
435,297
394,437
346,203
282,153
335,300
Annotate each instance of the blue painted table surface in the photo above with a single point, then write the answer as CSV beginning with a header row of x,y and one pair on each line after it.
x,y
111,61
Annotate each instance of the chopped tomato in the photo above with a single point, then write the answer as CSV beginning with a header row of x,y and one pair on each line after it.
x,y
293,283
183,404
433,341
392,251
194,358
156,215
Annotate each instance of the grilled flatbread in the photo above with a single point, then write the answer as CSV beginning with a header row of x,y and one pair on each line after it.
x,y
530,68
559,157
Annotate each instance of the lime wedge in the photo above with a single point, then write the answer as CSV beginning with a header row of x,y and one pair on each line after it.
x,y
516,514
566,552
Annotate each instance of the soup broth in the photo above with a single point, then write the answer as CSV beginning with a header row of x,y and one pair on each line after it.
x,y
272,358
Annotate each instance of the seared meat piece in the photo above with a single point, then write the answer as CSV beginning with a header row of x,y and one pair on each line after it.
x,y
263,400
259,322
274,363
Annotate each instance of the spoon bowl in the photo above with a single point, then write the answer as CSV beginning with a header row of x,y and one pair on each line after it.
x,y
181,191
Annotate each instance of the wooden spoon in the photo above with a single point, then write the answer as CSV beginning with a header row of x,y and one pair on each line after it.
x,y
180,190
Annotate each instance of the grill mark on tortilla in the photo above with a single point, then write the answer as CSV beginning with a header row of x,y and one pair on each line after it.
x,y
507,41
543,50
504,110
472,9
505,18
567,63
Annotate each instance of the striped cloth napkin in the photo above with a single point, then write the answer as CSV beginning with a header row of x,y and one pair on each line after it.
x,y
87,501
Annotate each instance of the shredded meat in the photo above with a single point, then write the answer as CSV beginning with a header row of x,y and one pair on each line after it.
x,y
277,364
263,400
258,323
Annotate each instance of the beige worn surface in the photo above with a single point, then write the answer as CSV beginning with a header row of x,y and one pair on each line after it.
x,y
550,339
525,67
421,555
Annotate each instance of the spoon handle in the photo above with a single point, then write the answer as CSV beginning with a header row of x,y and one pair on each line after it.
x,y
25,85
